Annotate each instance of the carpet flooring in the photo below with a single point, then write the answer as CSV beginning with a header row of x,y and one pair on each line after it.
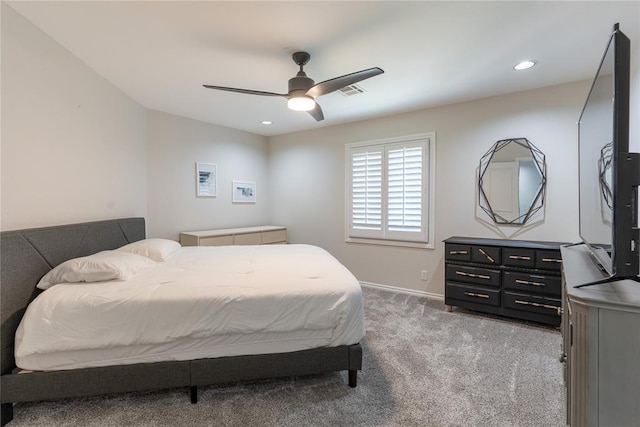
x,y
422,366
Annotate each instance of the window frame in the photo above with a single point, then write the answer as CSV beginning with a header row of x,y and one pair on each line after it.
x,y
394,238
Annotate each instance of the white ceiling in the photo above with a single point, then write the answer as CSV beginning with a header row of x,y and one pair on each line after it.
x,y
433,53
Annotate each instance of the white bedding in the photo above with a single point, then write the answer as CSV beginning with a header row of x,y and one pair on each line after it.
x,y
200,302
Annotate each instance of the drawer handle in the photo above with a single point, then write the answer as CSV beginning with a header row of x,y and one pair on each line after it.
x,y
479,276
535,304
524,282
485,254
523,258
457,252
551,260
473,294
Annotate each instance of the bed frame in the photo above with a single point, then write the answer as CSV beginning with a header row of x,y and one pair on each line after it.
x,y
26,255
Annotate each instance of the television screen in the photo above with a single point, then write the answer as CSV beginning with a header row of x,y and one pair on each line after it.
x,y
608,173
596,132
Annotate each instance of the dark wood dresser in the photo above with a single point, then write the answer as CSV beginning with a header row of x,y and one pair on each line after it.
x,y
513,278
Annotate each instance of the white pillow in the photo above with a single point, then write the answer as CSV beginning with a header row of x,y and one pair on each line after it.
x,y
156,249
106,265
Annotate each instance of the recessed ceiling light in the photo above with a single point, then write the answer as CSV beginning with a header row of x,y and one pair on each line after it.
x,y
267,122
525,65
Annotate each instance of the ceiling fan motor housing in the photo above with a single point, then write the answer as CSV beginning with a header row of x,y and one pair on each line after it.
x,y
299,84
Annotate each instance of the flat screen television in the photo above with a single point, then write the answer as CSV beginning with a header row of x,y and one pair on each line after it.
x,y
608,173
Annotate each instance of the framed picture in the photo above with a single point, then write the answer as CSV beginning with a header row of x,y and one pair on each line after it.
x,y
206,180
244,192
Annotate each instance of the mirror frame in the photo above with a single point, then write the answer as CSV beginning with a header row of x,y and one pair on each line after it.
x,y
538,201
604,164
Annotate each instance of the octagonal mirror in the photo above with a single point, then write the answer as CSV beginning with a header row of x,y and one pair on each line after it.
x,y
511,181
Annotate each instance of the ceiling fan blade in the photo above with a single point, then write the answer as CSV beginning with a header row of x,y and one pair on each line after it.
x,y
316,113
334,84
247,91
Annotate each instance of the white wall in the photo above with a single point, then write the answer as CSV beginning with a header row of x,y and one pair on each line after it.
x,y
73,146
175,144
307,177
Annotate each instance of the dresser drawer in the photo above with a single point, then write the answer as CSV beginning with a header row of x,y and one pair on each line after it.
x,y
473,294
275,236
188,240
216,241
517,257
475,275
549,260
247,239
532,283
534,304
485,255
458,252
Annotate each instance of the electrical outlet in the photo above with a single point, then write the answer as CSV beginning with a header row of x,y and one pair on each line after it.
x,y
424,275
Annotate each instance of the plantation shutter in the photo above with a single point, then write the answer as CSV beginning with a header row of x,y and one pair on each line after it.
x,y
366,192
388,191
406,195
404,210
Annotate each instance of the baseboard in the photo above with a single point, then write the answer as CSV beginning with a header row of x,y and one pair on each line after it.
x,y
404,291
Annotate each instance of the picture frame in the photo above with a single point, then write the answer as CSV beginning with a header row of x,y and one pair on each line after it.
x,y
206,180
244,192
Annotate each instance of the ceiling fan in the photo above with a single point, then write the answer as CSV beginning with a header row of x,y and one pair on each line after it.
x,y
303,91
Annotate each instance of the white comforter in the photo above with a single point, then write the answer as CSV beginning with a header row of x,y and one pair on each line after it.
x,y
197,294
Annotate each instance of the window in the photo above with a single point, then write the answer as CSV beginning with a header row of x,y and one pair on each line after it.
x,y
390,187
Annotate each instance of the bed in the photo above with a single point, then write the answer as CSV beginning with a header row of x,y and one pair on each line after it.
x,y
239,350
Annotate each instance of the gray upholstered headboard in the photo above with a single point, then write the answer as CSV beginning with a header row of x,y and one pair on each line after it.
x,y
27,255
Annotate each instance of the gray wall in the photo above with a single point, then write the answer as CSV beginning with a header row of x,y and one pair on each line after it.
x,y
307,174
73,146
175,144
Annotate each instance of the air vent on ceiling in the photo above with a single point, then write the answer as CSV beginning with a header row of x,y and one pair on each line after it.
x,y
351,90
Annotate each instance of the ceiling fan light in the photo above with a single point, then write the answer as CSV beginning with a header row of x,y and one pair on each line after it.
x,y
301,103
